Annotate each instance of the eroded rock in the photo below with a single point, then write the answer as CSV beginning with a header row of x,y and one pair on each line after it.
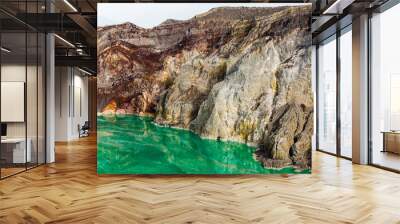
x,y
242,74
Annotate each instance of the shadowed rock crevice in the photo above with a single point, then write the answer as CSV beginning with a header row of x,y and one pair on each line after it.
x,y
289,140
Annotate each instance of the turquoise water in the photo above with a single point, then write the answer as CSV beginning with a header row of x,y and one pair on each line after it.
x,y
132,144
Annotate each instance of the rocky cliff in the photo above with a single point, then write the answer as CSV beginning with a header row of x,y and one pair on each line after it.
x,y
233,73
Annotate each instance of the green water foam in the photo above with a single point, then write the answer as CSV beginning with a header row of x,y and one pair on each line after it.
x,y
129,144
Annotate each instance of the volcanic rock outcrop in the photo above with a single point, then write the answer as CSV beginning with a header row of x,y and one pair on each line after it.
x,y
233,73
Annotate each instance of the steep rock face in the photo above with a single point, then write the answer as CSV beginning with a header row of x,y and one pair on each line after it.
x,y
240,74
288,142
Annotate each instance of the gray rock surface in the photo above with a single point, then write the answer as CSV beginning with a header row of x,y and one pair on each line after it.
x,y
242,74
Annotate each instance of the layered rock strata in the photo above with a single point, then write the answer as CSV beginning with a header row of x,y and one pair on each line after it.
x,y
233,73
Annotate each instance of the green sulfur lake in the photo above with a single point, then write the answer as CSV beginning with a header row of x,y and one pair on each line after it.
x,y
130,144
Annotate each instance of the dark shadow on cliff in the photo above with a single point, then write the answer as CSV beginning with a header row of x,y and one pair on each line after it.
x,y
288,138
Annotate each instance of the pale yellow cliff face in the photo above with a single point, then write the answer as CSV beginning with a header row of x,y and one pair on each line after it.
x,y
242,74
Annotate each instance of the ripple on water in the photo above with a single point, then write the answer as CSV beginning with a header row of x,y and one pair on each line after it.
x,y
131,144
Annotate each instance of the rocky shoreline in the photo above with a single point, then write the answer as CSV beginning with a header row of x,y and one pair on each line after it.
x,y
233,73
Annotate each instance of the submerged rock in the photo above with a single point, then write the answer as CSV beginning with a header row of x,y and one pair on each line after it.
x,y
236,73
